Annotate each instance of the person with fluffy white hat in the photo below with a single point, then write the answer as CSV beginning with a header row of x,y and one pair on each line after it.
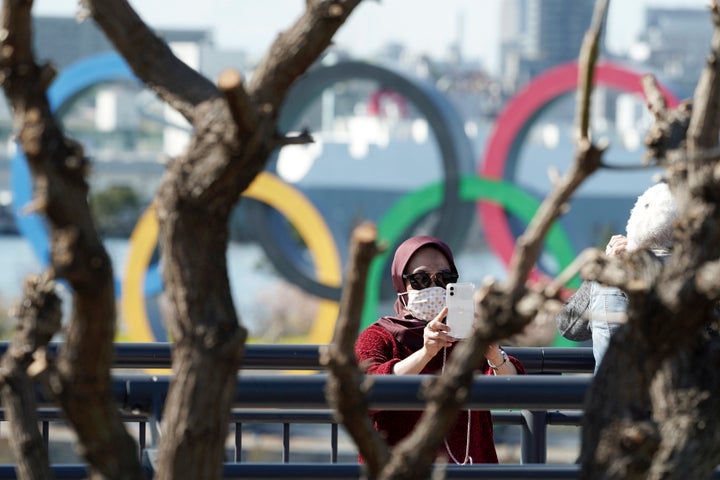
x,y
595,311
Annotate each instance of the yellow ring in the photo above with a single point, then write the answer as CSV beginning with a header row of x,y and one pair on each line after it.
x,y
269,189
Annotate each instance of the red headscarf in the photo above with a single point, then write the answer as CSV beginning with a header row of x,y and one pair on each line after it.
x,y
406,328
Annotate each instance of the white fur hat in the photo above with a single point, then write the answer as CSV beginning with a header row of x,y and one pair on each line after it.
x,y
651,220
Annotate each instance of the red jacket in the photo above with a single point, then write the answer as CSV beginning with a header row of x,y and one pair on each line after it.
x,y
379,351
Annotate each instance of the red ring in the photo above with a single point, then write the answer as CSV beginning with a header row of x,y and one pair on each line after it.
x,y
517,116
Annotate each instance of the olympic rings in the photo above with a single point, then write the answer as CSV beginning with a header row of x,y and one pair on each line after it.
x,y
268,189
448,195
455,149
514,122
415,204
313,230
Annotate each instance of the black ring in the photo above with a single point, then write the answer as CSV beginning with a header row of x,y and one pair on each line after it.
x,y
455,216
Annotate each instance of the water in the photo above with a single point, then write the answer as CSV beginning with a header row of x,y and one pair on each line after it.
x,y
248,276
18,260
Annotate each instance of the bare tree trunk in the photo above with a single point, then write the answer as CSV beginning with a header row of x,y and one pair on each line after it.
x,y
209,342
346,389
39,318
235,134
652,411
686,405
58,166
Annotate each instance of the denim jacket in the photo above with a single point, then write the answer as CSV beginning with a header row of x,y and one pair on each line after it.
x,y
593,312
607,310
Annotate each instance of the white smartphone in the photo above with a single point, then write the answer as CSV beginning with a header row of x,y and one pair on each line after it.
x,y
459,297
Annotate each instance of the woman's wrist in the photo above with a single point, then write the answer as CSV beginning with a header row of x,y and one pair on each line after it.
x,y
500,361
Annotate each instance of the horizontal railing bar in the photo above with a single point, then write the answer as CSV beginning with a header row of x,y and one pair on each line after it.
x,y
344,471
326,417
282,416
391,392
573,417
65,471
307,357
312,416
55,414
406,392
350,471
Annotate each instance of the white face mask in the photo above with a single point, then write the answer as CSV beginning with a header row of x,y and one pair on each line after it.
x,y
425,304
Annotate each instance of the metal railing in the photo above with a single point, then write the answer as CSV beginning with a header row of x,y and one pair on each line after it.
x,y
554,360
282,397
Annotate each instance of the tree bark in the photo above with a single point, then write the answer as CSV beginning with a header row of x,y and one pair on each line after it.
x,y
39,318
346,389
652,409
234,136
58,167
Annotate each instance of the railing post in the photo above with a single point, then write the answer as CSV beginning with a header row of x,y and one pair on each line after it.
x,y
286,443
534,436
142,436
333,442
238,442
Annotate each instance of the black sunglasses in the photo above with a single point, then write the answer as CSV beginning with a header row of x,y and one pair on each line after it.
x,y
420,280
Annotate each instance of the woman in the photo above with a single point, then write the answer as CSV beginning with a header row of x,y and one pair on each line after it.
x,y
417,341
596,311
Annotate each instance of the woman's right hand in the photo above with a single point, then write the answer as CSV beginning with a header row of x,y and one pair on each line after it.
x,y
435,335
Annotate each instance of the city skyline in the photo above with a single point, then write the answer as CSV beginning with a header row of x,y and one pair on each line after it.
x,y
252,26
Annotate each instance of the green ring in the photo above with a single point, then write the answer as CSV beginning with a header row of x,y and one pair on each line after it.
x,y
409,208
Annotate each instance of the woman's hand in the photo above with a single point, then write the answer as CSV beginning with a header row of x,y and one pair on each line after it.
x,y
616,245
435,335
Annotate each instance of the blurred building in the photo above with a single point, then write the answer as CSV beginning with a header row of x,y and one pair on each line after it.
x,y
65,40
538,35
675,43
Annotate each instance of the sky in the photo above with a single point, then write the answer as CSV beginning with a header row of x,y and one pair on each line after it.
x,y
428,26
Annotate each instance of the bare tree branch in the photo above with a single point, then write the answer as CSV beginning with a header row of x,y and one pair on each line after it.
x,y
697,225
641,424
346,392
589,52
295,50
704,124
302,139
656,101
553,288
151,59
666,136
527,249
587,161
241,108
234,136
497,313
